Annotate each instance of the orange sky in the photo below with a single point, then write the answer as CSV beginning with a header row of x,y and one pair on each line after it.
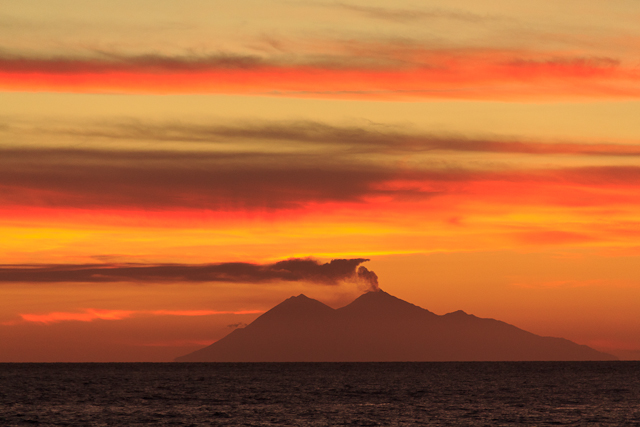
x,y
483,155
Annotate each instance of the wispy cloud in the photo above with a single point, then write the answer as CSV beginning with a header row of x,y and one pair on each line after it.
x,y
91,314
551,237
372,139
410,15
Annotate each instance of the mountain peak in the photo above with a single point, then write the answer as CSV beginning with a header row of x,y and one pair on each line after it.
x,y
300,307
377,293
457,313
380,302
377,298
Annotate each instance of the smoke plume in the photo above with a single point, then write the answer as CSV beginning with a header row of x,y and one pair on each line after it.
x,y
368,277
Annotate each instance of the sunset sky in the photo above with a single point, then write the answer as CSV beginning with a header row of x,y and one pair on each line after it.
x,y
161,163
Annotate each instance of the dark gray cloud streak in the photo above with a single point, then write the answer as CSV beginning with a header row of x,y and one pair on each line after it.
x,y
100,62
336,55
290,270
106,62
93,178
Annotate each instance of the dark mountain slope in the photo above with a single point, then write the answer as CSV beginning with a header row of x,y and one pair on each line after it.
x,y
380,327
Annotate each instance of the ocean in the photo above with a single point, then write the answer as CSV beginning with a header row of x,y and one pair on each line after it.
x,y
321,394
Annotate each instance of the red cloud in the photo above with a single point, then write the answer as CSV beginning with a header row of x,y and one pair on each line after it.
x,y
365,70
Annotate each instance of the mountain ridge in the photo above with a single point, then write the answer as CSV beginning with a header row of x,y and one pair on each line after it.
x,y
378,326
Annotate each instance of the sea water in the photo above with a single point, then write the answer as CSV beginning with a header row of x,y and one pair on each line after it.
x,y
321,394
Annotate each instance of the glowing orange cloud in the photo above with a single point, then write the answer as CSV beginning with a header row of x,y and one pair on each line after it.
x,y
90,314
87,315
198,312
415,73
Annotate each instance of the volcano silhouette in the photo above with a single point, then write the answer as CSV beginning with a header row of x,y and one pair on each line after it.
x,y
379,327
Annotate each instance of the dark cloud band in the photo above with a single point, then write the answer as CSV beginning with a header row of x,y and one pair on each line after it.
x,y
290,270
97,179
239,167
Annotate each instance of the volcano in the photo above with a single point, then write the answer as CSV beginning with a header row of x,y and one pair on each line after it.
x,y
378,327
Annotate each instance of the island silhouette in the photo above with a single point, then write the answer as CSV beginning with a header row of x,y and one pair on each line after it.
x,y
378,327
